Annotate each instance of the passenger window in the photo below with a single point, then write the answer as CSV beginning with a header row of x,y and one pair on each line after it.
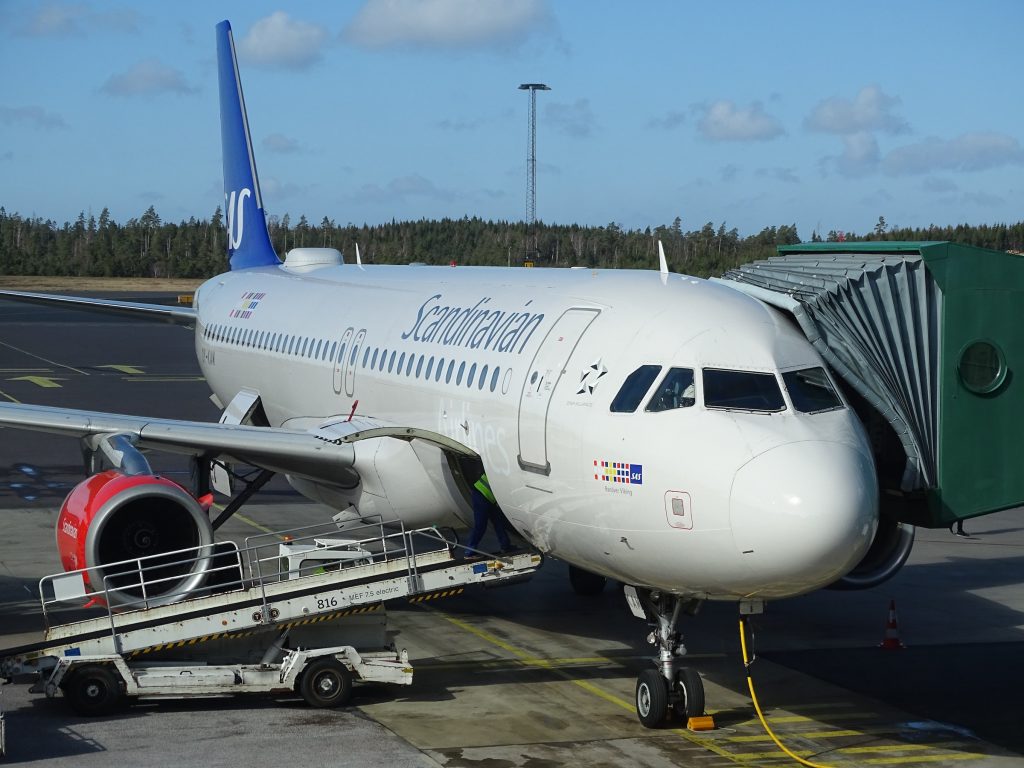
x,y
742,390
675,391
634,388
811,391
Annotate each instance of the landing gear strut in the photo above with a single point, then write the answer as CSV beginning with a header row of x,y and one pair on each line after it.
x,y
670,686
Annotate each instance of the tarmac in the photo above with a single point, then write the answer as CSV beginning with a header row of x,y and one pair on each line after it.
x,y
524,676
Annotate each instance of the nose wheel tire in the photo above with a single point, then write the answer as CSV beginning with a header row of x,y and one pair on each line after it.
x,y
651,698
689,694
326,683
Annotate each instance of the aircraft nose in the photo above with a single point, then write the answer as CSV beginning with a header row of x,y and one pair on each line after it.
x,y
802,515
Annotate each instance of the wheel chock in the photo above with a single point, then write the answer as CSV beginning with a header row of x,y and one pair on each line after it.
x,y
702,723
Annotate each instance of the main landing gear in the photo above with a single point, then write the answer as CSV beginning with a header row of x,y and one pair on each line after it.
x,y
670,687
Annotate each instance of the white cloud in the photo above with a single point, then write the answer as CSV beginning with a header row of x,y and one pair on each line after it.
x,y
461,123
57,20
34,115
939,186
146,78
278,142
983,199
281,41
402,188
474,123
275,189
967,152
668,121
860,154
870,110
724,121
76,19
446,23
786,175
576,119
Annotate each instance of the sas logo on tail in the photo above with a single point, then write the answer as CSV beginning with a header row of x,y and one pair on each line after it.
x,y
234,207
618,472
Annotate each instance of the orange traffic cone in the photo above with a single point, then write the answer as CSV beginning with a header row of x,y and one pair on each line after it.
x,y
892,641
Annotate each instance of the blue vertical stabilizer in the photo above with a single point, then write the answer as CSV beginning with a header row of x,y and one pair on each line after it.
x,y
248,238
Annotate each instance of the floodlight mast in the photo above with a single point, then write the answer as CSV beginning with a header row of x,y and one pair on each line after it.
x,y
531,155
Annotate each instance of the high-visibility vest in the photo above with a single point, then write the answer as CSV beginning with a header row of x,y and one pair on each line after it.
x,y
484,487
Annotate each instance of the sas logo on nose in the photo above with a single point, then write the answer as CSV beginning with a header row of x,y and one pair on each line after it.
x,y
618,472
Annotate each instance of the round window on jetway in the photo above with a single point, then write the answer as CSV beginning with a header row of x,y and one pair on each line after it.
x,y
982,367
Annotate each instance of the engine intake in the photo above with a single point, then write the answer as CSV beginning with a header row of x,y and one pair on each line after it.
x,y
109,518
886,555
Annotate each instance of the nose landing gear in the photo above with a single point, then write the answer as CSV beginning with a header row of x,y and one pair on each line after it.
x,y
670,686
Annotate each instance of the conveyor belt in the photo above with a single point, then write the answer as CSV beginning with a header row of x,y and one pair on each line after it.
x,y
288,602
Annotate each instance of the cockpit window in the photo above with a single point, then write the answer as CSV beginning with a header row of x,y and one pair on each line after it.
x,y
675,391
811,391
742,390
634,388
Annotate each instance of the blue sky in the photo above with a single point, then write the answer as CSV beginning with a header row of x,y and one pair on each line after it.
x,y
824,114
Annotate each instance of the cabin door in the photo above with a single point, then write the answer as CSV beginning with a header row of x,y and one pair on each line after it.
x,y
545,371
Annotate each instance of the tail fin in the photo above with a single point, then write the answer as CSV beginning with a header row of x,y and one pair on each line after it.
x,y
248,239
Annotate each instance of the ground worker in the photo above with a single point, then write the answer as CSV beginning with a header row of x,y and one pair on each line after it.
x,y
485,508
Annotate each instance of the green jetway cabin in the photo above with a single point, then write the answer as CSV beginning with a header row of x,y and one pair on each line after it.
x,y
928,341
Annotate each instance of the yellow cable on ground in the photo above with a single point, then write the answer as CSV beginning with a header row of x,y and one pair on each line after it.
x,y
757,707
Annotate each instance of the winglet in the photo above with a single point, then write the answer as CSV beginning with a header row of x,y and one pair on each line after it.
x,y
248,239
359,261
662,263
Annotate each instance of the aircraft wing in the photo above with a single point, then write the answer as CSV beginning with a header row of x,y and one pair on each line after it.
x,y
160,312
323,453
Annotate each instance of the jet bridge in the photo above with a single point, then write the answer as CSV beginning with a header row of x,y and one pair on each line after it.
x,y
927,339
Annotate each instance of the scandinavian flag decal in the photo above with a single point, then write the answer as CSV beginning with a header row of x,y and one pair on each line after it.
x,y
250,300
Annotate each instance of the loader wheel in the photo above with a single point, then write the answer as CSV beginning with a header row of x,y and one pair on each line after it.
x,y
326,683
93,690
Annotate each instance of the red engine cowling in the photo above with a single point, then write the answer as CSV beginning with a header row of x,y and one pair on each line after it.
x,y
110,517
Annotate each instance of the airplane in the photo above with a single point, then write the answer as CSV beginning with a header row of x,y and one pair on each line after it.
x,y
657,429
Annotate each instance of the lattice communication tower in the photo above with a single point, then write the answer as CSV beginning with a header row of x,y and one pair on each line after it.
x,y
531,155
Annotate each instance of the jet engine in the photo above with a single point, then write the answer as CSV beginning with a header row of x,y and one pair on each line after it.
x,y
111,517
886,555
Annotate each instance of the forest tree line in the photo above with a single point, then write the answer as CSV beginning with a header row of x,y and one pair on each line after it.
x,y
150,247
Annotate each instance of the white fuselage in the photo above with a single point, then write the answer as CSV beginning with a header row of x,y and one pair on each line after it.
x,y
521,366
